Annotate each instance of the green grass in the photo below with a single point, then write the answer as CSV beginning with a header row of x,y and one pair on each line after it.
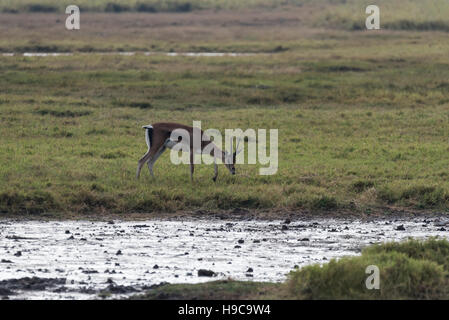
x,y
354,134
362,116
213,290
413,269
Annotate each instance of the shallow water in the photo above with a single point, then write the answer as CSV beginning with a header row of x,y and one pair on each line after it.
x,y
88,253
169,54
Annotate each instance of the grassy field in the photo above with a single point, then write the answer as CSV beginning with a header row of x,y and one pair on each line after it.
x,y
408,270
362,115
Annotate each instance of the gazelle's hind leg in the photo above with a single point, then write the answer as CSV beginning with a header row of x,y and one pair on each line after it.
x,y
145,158
153,160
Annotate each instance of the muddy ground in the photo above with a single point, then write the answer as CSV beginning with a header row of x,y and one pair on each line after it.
x,y
115,259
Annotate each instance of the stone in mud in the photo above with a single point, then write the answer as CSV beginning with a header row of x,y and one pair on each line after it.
x,y
89,271
5,292
119,289
206,273
30,284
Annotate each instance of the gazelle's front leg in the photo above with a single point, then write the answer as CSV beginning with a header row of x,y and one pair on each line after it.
x,y
192,166
215,170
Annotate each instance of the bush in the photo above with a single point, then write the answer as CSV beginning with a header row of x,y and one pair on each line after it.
x,y
408,270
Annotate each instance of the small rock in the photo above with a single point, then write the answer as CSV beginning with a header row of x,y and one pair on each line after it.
x,y
400,228
206,273
284,227
119,253
6,261
18,253
241,241
250,270
155,266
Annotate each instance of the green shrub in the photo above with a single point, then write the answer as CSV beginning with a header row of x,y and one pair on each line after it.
x,y
408,270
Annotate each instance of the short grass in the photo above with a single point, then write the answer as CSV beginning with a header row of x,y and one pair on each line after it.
x,y
413,269
213,290
362,116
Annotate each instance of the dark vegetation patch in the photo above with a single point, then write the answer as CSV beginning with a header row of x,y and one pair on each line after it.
x,y
40,8
63,113
361,185
324,203
96,131
34,203
418,26
116,8
213,290
419,196
113,155
92,201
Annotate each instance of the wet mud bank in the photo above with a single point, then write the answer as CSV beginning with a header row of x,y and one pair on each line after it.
x,y
116,259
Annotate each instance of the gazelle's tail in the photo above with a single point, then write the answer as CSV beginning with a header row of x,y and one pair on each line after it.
x,y
148,135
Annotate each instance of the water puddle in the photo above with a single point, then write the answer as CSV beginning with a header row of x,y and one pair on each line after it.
x,y
78,259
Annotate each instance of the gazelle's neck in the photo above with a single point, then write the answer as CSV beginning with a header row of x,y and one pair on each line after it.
x,y
219,154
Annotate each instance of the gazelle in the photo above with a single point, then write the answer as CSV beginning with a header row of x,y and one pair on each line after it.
x,y
158,139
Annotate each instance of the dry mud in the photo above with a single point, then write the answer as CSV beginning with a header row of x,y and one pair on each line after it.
x,y
85,259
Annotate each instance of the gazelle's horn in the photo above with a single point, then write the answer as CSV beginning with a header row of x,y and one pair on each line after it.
x,y
237,151
232,145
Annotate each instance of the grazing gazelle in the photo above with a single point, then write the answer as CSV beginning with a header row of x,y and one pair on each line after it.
x,y
158,140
